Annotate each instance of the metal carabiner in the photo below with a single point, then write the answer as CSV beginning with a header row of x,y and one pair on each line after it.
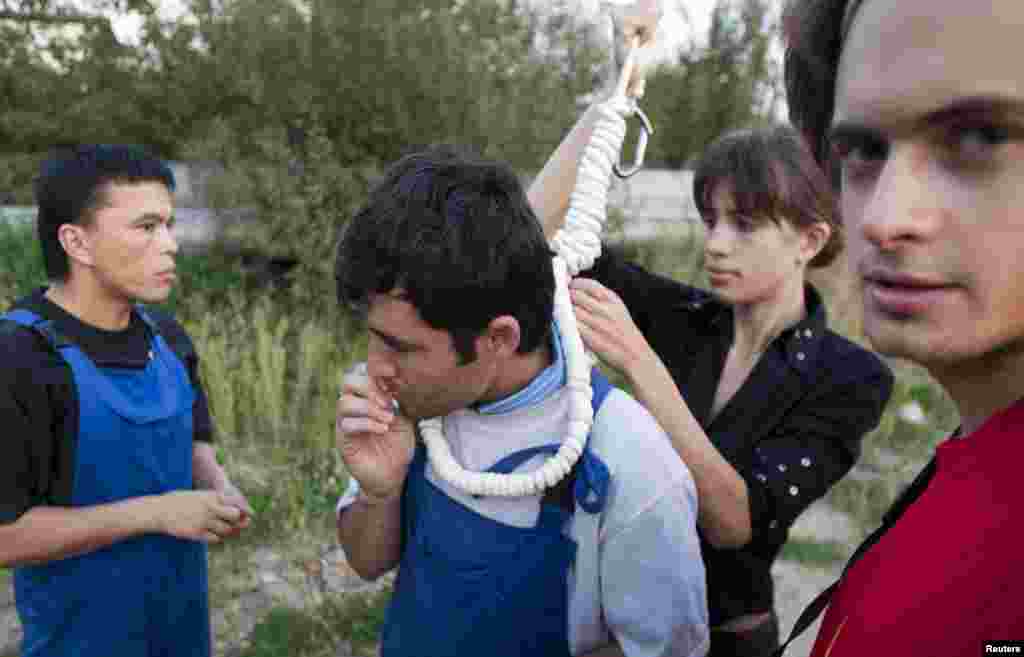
x,y
646,130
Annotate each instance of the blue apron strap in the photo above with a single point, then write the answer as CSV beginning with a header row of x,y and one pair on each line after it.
x,y
139,308
41,326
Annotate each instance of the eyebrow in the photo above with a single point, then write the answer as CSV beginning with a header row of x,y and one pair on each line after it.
x,y
977,106
151,216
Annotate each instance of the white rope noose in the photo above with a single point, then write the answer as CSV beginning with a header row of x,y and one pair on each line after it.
x,y
577,245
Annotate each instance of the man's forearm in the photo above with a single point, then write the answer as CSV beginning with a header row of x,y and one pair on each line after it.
x,y
45,534
370,531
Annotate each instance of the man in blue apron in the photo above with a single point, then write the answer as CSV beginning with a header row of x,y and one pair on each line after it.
x,y
106,430
455,278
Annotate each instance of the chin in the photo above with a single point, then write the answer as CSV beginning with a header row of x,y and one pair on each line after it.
x,y
920,344
154,294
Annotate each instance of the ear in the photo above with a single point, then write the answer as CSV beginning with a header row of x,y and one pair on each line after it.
x,y
75,241
501,338
813,239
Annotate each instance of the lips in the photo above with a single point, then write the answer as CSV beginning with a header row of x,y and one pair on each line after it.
x,y
718,276
903,294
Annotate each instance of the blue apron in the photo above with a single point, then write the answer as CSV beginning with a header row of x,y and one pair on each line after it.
x,y
145,596
470,586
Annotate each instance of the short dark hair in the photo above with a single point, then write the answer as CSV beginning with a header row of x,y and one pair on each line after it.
x,y
814,32
457,234
772,176
72,184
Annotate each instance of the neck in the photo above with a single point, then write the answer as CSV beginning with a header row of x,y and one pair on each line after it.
x,y
755,325
983,386
517,372
86,301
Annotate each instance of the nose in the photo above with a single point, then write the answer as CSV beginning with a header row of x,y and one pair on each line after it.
x,y
168,242
905,204
380,365
718,242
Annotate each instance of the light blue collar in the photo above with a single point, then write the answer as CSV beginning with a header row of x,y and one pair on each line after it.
x,y
543,385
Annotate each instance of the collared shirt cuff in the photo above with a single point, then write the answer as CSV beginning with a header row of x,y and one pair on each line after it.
x,y
348,497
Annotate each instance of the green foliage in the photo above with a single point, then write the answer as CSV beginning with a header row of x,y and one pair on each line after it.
x,y
283,631
23,268
297,200
707,91
814,553
203,278
355,618
17,171
379,77
272,373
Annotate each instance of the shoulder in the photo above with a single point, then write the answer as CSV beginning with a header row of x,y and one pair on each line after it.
x,y
17,339
843,359
641,461
28,357
20,343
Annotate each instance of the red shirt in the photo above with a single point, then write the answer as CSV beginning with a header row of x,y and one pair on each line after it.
x,y
949,575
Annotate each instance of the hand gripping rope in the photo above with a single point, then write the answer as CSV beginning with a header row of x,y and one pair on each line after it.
x,y
577,245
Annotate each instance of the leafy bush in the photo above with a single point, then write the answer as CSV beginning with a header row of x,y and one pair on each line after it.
x,y
17,171
23,269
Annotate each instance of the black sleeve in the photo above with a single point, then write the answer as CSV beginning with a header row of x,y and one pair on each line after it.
x,y
32,381
646,295
180,342
818,443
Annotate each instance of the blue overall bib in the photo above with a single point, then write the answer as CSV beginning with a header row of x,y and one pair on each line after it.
x,y
469,586
141,597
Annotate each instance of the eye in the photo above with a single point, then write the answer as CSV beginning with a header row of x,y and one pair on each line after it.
x,y
859,155
744,223
974,143
149,226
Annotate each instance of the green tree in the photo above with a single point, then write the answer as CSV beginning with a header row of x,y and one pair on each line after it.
x,y
711,89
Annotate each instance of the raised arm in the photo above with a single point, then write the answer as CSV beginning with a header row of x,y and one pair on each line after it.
x,y
550,191
635,27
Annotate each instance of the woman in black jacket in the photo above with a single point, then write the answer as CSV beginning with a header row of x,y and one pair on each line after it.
x,y
764,404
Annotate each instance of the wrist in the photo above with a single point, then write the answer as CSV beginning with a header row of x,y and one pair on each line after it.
x,y
150,514
375,500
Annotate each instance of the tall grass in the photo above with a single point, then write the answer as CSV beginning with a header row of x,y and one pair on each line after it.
x,y
272,377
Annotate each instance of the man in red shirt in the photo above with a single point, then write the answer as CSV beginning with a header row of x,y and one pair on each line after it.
x,y
918,105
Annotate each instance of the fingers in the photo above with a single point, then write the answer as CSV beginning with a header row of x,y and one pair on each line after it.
x,y
586,284
362,408
352,406
589,302
231,495
350,426
358,382
220,528
224,509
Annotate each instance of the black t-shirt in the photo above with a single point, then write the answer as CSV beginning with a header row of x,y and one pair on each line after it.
x,y
39,403
792,429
